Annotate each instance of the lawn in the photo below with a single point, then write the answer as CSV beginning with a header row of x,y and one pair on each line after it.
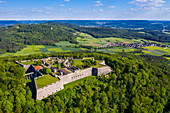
x,y
45,80
72,84
77,63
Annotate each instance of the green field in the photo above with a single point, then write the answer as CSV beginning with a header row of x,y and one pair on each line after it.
x,y
36,49
45,80
157,51
90,41
115,50
30,49
64,43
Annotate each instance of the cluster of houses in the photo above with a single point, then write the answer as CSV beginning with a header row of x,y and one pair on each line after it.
x,y
36,71
132,45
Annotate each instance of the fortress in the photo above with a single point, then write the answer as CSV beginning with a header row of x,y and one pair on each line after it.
x,y
52,88
59,85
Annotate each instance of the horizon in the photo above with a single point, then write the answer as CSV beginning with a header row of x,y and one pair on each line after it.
x,y
77,20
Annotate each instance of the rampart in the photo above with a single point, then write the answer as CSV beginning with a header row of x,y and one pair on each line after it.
x,y
103,70
49,89
34,93
76,76
19,63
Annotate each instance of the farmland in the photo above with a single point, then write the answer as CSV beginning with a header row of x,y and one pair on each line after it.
x,y
88,40
91,41
36,49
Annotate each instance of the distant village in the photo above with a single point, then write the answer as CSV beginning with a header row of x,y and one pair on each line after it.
x,y
132,45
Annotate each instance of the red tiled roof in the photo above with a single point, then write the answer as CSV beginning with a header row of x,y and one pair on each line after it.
x,y
38,67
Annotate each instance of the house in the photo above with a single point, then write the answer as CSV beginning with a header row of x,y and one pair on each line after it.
x,y
64,71
37,68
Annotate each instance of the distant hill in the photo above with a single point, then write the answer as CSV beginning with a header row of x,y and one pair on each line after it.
x,y
100,32
119,24
14,38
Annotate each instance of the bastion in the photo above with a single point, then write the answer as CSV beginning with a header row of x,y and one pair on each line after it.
x,y
59,85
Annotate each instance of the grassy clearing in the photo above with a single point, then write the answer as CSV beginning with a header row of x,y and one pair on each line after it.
x,y
45,80
77,63
72,84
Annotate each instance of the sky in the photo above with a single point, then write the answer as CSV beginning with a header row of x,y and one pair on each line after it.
x,y
84,9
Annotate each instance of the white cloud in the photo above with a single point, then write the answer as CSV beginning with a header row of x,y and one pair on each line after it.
x,y
166,9
62,5
39,11
49,8
100,10
111,7
67,0
2,1
98,3
148,3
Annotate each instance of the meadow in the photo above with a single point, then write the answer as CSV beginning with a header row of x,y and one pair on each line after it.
x,y
91,41
88,40
36,49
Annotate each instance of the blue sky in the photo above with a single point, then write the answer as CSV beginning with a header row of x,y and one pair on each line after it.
x,y
84,9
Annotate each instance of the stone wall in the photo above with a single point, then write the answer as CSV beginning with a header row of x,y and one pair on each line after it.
x,y
34,93
103,70
76,76
59,85
19,63
49,90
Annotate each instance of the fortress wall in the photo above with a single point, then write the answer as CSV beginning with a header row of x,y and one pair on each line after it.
x,y
76,76
103,70
34,94
49,90
19,63
59,85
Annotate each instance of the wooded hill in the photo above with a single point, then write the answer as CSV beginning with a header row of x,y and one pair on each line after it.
x,y
137,84
14,38
99,32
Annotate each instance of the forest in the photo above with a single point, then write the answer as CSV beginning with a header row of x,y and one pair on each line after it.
x,y
137,84
14,38
103,32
